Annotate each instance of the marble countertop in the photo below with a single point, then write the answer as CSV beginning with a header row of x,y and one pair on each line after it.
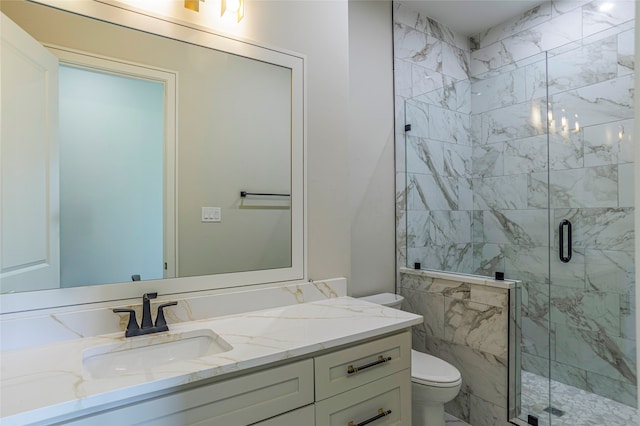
x,y
47,381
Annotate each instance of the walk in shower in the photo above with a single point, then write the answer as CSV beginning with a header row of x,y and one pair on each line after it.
x,y
516,156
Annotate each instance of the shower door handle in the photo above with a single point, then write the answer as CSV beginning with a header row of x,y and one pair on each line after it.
x,y
564,224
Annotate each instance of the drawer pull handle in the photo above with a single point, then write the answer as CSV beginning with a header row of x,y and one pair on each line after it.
x,y
381,414
381,360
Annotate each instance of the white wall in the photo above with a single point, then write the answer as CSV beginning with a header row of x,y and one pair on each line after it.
x,y
319,30
371,148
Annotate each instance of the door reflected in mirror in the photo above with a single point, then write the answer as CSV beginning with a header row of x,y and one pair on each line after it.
x,y
142,151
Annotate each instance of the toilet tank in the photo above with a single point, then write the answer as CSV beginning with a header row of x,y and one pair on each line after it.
x,y
386,299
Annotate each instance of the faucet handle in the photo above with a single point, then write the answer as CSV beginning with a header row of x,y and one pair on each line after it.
x,y
149,296
160,321
132,327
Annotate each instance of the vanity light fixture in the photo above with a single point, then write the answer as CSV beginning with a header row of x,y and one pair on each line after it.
x,y
232,7
193,5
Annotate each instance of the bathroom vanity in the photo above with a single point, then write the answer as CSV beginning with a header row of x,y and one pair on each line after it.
x,y
326,362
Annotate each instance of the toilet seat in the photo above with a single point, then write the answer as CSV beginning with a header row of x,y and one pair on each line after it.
x,y
431,371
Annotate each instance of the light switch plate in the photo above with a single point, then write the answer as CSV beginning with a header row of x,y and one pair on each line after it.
x,y
211,214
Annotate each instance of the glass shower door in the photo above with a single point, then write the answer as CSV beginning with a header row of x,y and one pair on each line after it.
x,y
591,289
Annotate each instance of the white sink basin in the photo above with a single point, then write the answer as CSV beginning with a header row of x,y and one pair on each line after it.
x,y
145,352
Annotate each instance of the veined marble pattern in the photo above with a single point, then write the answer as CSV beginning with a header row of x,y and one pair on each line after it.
x,y
597,351
455,61
596,18
476,325
626,58
521,227
587,187
588,310
500,192
465,323
449,126
580,407
526,155
417,47
590,79
64,326
488,258
417,115
457,160
424,156
602,229
450,37
432,192
570,274
566,151
588,64
598,103
54,373
513,122
438,227
527,263
546,36
529,19
498,91
425,80
570,188
559,7
450,257
483,374
604,143
454,96
488,160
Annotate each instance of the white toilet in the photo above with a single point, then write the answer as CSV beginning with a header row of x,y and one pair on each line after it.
x,y
433,381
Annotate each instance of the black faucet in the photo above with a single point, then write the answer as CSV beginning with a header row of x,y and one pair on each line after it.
x,y
147,326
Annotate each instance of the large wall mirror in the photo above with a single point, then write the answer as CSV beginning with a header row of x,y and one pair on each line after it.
x,y
140,154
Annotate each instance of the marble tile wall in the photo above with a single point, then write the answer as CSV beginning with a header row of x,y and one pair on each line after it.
x,y
474,188
467,325
588,180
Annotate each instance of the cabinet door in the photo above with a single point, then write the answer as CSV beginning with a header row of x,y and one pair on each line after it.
x,y
304,416
387,400
352,367
235,402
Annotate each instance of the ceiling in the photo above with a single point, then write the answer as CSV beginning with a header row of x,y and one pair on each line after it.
x,y
470,17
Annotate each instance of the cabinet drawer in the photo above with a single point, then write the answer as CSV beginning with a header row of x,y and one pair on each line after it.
x,y
235,402
390,395
352,367
304,416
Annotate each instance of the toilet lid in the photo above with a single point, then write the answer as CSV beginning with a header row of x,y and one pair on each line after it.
x,y
432,371
385,299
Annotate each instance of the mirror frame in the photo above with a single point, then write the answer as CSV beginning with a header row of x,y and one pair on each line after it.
x,y
143,20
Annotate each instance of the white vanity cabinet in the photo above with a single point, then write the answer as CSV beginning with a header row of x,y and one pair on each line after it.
x,y
235,402
365,384
362,383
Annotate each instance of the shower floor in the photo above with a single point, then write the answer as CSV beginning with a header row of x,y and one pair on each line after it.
x,y
580,408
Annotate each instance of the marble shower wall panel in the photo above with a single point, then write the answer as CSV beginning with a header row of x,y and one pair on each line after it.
x,y
589,182
467,325
482,173
433,87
